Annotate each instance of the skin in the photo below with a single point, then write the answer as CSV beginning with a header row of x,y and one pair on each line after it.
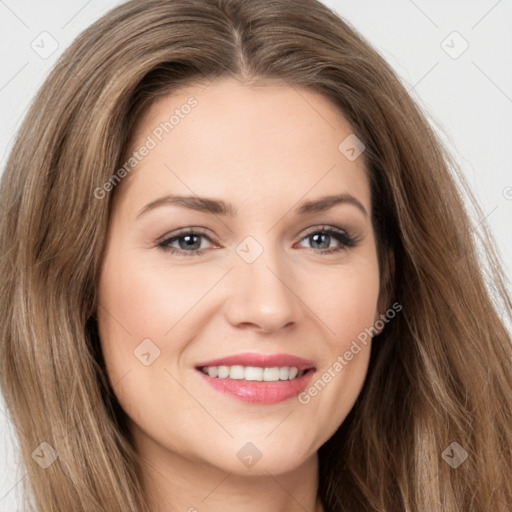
x,y
266,150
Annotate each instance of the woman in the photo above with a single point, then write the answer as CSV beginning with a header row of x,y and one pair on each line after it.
x,y
255,370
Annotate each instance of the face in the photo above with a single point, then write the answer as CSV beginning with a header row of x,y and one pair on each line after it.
x,y
254,266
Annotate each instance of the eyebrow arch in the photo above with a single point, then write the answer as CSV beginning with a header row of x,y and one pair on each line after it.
x,y
325,203
219,207
200,204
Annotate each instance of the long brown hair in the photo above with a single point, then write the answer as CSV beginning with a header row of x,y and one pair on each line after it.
x,y
440,372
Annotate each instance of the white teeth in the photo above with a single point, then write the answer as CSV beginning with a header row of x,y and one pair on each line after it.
x,y
284,373
236,372
254,373
223,372
293,372
271,374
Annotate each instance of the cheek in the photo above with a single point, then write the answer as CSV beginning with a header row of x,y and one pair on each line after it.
x,y
345,301
150,309
140,315
147,301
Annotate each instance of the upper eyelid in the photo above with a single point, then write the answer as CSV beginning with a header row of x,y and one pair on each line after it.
x,y
205,232
186,231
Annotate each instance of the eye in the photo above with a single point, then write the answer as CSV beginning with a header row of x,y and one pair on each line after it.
x,y
321,238
188,242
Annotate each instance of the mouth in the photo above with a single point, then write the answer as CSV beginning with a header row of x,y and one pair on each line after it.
x,y
258,378
254,373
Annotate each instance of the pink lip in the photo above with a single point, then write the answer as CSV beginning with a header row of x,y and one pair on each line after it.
x,y
259,392
256,391
260,360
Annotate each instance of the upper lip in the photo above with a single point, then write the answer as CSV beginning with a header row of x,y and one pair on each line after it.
x,y
260,360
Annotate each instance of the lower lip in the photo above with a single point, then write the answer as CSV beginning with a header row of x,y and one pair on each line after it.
x,y
259,391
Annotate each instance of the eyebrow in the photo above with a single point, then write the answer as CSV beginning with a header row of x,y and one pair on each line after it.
x,y
220,207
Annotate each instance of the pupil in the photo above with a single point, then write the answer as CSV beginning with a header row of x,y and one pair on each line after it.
x,y
189,242
316,239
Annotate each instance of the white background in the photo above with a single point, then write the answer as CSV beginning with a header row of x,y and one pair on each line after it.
x,y
468,98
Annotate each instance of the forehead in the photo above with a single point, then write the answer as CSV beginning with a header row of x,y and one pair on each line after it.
x,y
246,141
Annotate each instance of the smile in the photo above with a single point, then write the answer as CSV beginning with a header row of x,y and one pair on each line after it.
x,y
259,392
253,373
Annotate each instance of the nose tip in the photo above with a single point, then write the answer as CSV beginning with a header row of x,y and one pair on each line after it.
x,y
262,298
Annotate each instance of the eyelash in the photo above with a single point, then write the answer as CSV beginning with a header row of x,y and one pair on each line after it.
x,y
346,240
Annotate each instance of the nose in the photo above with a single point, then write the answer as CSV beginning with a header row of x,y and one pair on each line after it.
x,y
262,295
